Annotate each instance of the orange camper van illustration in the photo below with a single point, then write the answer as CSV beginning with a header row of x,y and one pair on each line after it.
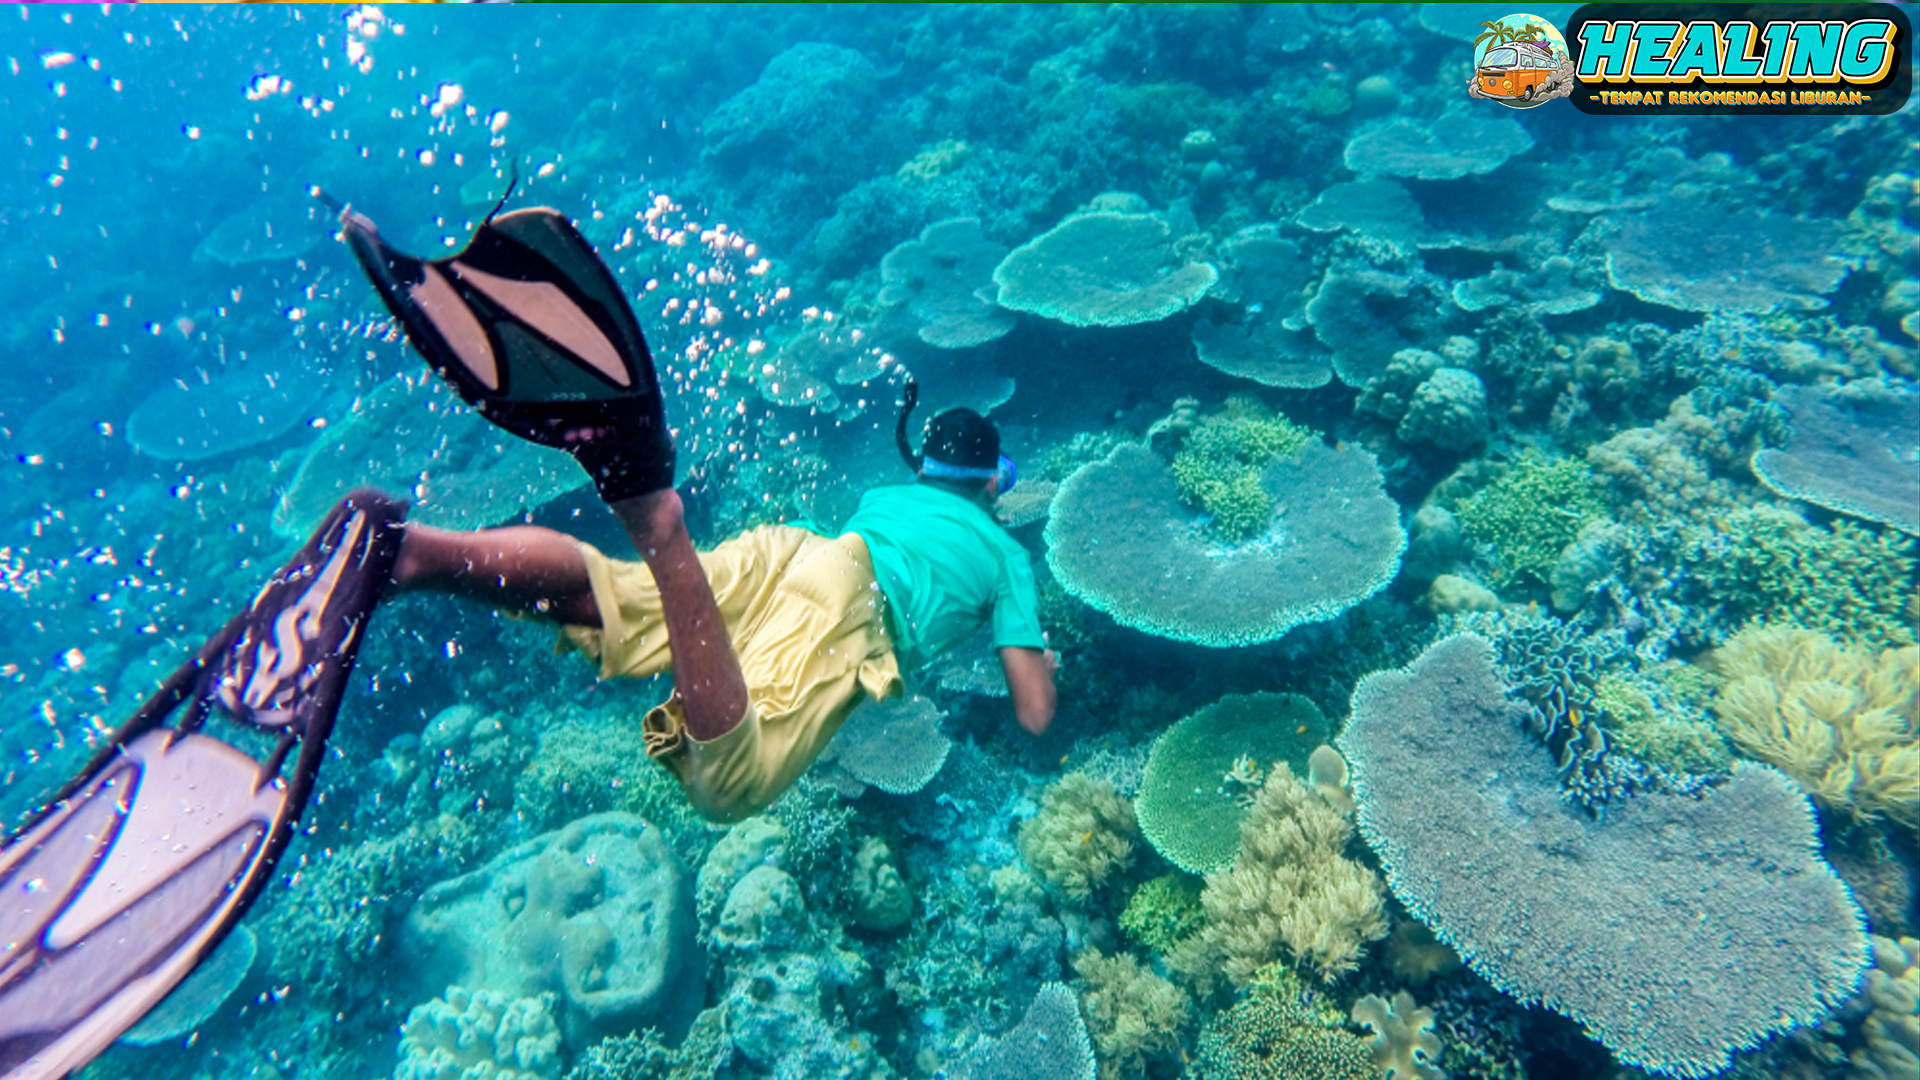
x,y
1516,69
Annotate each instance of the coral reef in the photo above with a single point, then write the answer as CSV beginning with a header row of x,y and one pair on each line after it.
x,y
1082,836
1843,722
1122,540
1049,1043
937,279
199,996
1163,911
1202,773
223,407
1530,514
881,900
1767,564
1454,145
1466,816
896,746
1102,269
1291,894
1262,334
1219,464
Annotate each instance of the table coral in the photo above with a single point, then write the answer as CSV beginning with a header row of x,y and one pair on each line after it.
x,y
1266,338
1854,450
1291,894
894,745
938,277
1370,207
1692,253
219,408
1452,146
1102,269
1840,720
1122,539
1186,808
1676,931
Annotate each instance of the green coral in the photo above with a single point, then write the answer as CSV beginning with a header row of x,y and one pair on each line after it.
x,y
1218,467
1667,738
1850,580
1163,911
1531,514
1282,1031
1082,836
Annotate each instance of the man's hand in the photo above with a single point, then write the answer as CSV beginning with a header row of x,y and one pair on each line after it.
x,y
1030,681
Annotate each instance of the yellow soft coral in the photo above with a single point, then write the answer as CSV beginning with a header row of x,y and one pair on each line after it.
x,y
1082,836
1842,721
1291,893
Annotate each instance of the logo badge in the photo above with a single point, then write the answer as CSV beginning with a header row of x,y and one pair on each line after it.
x,y
1520,61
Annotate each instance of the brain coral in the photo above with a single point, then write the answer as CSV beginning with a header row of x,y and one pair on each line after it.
x,y
1695,254
1122,540
938,278
1677,930
1102,269
1854,450
1457,144
1187,807
1263,277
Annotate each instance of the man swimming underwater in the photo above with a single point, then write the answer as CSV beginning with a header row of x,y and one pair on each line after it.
x,y
775,636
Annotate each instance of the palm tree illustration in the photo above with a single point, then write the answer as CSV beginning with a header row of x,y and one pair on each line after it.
x,y
1501,34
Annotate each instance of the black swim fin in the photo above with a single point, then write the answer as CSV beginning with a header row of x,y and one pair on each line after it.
x,y
531,329
139,866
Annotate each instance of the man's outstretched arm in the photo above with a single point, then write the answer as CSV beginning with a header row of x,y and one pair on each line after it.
x,y
1030,680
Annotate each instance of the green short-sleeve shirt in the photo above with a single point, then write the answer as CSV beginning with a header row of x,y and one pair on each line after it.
x,y
946,567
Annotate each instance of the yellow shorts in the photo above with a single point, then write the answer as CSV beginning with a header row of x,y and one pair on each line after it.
x,y
808,623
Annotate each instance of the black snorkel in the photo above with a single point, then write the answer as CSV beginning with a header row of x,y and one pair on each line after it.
x,y
909,397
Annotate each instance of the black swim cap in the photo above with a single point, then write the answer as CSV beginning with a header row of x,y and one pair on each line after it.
x,y
962,437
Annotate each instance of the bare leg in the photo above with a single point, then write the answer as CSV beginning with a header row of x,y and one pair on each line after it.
x,y
706,673
528,569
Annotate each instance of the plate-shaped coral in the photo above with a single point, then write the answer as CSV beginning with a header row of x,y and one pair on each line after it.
x,y
1203,771
1692,253
1676,930
1854,450
938,278
1456,145
1102,269
1122,539
1267,339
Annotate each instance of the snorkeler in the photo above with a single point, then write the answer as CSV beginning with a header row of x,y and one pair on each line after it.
x,y
135,871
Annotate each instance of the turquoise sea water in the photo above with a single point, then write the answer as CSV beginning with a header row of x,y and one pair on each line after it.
x,y
1309,360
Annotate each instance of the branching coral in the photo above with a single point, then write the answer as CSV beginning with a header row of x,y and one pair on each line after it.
x,y
1132,1014
1291,893
1530,514
1851,581
1841,721
1218,467
1163,911
1081,837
